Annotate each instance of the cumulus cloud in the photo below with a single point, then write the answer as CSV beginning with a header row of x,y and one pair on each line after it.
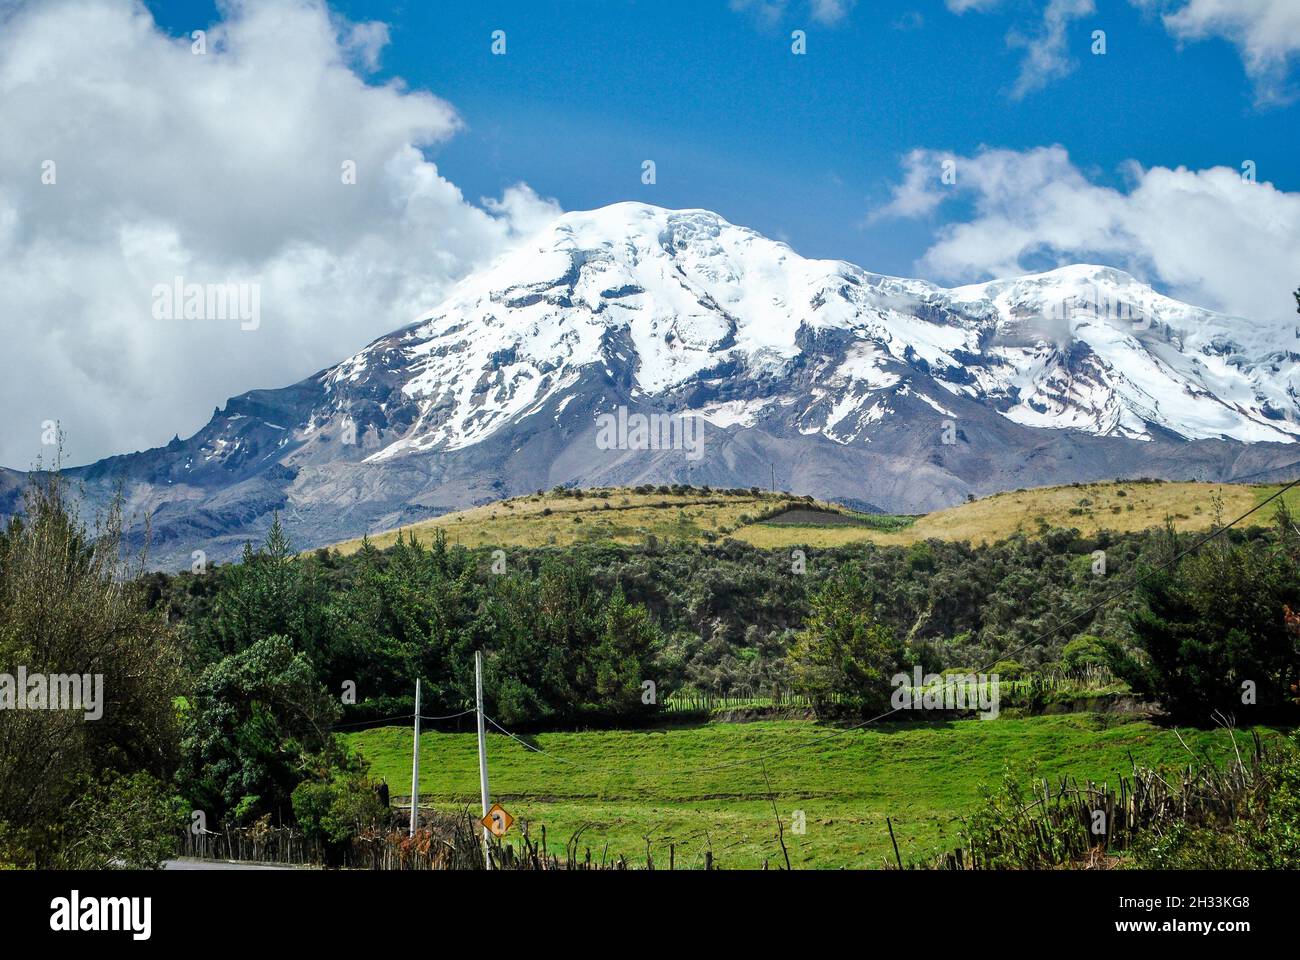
x,y
767,12
1266,32
1209,237
128,159
909,20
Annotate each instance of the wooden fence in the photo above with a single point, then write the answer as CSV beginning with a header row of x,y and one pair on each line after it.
x,y
442,842
258,843
703,701
1032,691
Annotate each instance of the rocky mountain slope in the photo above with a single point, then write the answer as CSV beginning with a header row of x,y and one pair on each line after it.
x,y
877,391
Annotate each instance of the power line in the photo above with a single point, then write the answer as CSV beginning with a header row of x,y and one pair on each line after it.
x,y
362,723
450,716
399,716
529,746
1260,473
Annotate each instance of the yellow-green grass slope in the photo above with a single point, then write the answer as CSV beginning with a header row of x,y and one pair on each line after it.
x,y
614,514
622,515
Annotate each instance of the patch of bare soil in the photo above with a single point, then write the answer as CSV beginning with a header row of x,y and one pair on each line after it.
x,y
803,517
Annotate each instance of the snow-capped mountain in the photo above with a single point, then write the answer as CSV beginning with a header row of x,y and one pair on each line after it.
x,y
718,320
867,388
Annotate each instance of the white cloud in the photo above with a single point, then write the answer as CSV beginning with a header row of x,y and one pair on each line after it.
x,y
767,12
830,11
1047,56
1267,33
982,6
219,167
1207,236
522,209
366,41
771,12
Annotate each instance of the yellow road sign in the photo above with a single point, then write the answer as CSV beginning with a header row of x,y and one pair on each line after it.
x,y
497,820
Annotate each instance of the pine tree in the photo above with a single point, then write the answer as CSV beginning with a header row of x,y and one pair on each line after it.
x,y
844,654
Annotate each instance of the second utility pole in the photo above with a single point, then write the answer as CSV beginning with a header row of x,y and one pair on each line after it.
x,y
482,753
415,766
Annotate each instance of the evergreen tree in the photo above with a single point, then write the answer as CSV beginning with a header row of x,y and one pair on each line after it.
x,y
257,719
845,655
259,597
1212,632
621,659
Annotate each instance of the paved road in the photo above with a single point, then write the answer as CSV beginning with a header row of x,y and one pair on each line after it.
x,y
192,864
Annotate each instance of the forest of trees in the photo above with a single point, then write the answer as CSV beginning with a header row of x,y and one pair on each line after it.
x,y
570,634
229,685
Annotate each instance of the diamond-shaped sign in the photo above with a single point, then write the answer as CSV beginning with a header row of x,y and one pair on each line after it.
x,y
497,821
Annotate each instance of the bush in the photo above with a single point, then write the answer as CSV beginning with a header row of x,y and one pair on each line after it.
x,y
69,604
1009,670
125,822
257,716
334,808
1082,654
1212,623
1265,835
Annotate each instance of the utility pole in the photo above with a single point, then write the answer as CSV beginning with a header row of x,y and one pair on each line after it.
x,y
415,765
773,478
482,752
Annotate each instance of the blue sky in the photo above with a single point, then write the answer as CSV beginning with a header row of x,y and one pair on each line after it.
x,y
803,148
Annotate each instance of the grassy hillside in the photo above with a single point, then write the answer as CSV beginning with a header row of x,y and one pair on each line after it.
x,y
618,514
626,516
623,786
1120,506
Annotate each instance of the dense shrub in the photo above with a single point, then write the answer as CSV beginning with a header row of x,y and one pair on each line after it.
x,y
70,604
1212,633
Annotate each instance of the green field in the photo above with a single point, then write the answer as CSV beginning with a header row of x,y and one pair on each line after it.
x,y
703,786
